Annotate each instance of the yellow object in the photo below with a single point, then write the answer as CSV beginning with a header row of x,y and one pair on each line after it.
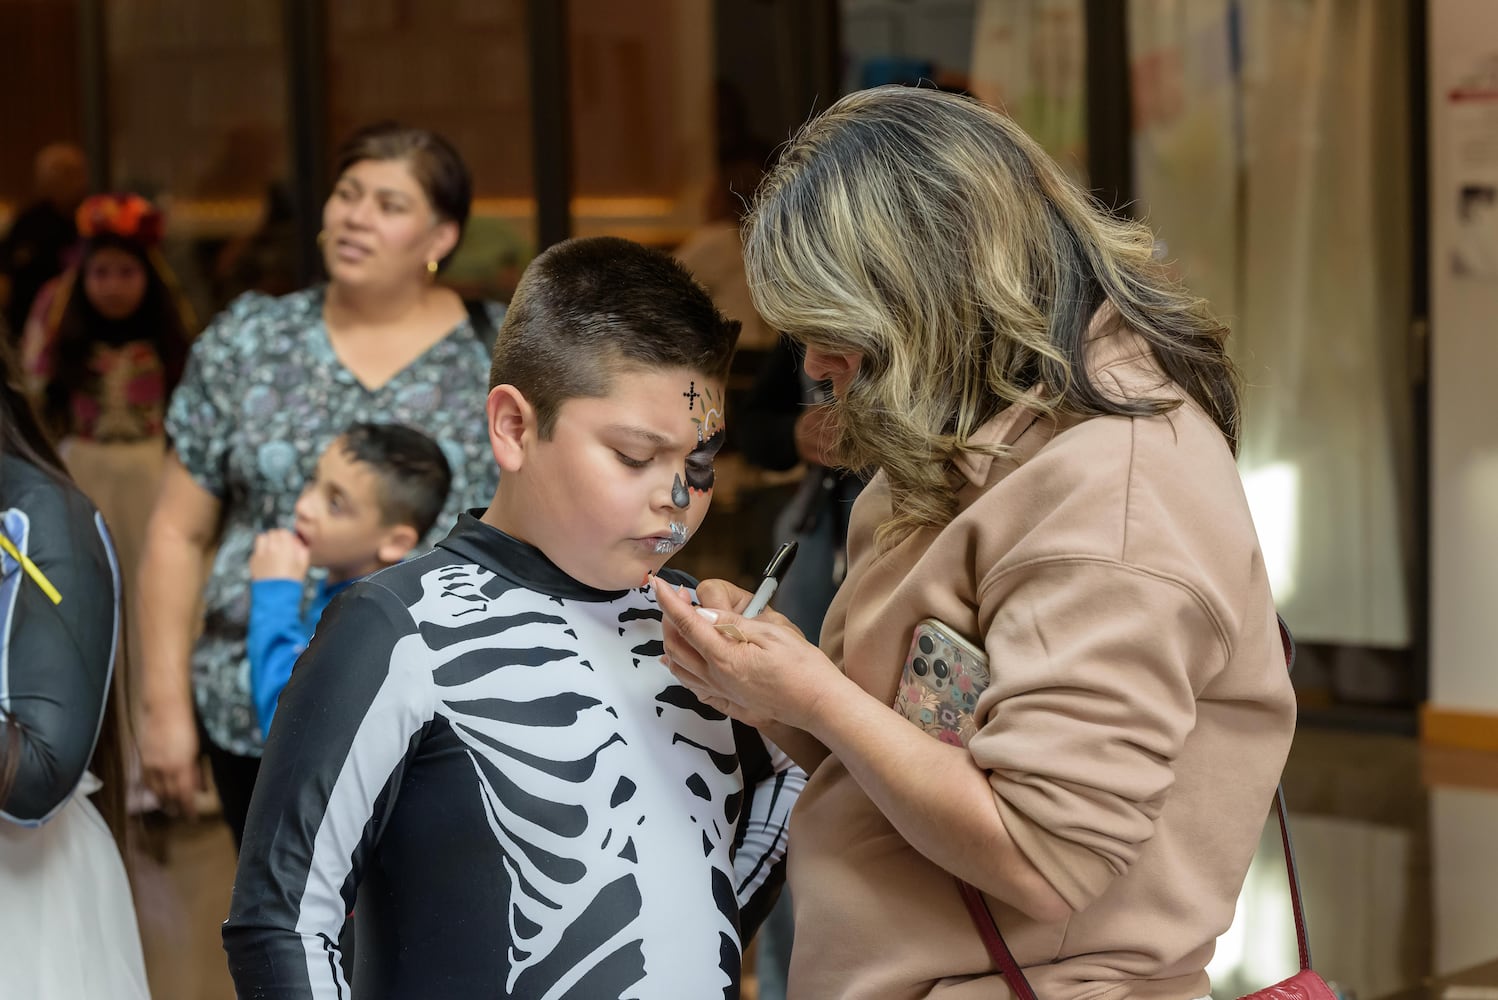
x,y
30,568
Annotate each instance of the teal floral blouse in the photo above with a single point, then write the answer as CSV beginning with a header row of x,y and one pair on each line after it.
x,y
262,396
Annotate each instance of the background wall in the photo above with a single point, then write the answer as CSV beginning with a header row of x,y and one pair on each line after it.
x,y
1464,355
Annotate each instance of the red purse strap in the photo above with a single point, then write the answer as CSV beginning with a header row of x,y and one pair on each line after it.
x,y
994,941
988,930
1302,935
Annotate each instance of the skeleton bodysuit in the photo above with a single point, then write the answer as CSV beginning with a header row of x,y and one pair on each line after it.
x,y
486,762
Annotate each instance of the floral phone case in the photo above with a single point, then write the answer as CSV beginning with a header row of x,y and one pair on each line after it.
x,y
944,674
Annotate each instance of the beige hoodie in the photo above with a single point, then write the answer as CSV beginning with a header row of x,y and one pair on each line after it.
x,y
1134,730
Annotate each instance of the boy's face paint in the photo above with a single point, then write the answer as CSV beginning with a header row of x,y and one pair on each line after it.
x,y
707,415
666,546
603,497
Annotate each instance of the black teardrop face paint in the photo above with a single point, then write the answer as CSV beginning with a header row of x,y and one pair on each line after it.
x,y
700,473
679,495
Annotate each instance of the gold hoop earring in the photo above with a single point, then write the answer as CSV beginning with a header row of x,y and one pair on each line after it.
x,y
432,269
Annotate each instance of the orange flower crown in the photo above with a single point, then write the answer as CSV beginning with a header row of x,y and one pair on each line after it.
x,y
128,216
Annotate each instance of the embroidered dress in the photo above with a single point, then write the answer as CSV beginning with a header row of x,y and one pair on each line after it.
x,y
263,395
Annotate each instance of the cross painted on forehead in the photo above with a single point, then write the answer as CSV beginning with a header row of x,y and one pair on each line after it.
x,y
692,395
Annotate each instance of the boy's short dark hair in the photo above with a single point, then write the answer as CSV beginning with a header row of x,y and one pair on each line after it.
x,y
587,308
413,472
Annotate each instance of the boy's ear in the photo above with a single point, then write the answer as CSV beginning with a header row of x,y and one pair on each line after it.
x,y
512,426
399,540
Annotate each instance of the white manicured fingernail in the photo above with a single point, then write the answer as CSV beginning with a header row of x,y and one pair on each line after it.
x,y
708,613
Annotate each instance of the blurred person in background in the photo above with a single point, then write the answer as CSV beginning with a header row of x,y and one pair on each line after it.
x,y
792,420
104,348
67,926
268,385
34,251
714,251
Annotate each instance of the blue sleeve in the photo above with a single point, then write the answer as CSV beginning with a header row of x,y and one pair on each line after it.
x,y
275,639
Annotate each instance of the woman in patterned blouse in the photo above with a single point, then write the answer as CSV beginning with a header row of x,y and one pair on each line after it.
x,y
268,385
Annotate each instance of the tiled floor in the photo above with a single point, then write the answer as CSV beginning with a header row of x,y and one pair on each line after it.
x,y
1396,848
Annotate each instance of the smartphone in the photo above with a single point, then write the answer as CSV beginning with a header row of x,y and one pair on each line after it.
x,y
944,675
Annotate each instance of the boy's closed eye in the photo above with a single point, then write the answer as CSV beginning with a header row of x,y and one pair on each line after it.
x,y
698,462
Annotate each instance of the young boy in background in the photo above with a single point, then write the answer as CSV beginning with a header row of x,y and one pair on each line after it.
x,y
377,491
482,745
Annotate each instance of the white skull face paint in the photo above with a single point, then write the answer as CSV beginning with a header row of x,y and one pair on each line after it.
x,y
678,538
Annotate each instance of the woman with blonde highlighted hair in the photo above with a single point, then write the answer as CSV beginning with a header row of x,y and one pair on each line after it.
x,y
1054,671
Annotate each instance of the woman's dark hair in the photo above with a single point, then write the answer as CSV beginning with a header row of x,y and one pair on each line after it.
x,y
434,162
21,435
158,321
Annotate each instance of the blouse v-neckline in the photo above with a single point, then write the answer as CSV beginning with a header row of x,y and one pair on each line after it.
x,y
341,367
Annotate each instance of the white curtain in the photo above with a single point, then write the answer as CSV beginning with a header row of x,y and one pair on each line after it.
x,y
1271,157
1030,60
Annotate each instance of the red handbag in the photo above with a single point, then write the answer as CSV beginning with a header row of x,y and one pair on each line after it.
x,y
1304,985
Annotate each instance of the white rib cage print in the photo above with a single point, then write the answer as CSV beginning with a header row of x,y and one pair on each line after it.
x,y
612,792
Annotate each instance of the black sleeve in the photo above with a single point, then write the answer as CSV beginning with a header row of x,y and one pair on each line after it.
x,y
768,430
359,700
56,659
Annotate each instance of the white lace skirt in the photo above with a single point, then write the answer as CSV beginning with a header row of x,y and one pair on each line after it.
x,y
67,925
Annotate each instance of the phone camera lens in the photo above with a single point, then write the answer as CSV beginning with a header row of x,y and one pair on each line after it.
x,y
940,669
920,666
927,646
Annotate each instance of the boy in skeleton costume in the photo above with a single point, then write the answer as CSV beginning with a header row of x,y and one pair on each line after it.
x,y
481,753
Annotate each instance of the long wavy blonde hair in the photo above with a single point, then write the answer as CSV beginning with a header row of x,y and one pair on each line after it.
x,y
930,233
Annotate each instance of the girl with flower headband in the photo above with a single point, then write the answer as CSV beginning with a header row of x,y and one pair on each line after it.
x,y
107,341
105,345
